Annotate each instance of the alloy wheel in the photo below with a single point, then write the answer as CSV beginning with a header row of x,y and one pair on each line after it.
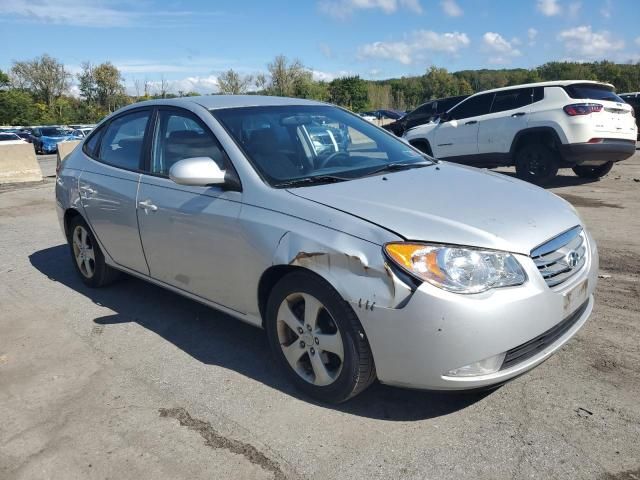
x,y
84,252
310,339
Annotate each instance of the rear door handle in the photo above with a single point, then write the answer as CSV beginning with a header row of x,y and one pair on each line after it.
x,y
518,114
471,122
147,206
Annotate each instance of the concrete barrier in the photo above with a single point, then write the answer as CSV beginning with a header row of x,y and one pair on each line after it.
x,y
64,149
18,164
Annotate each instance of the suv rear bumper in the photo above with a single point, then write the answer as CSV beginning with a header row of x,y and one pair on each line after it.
x,y
610,150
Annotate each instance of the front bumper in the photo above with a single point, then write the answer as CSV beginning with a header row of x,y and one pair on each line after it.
x,y
610,150
438,331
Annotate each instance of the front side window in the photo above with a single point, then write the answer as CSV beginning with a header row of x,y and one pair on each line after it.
x,y
472,107
511,99
178,136
300,143
122,142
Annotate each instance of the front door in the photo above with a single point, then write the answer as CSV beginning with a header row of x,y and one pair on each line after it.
x,y
457,136
191,235
509,115
109,186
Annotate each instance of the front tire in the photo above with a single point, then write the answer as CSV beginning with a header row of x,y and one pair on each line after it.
x,y
536,163
317,339
87,257
595,172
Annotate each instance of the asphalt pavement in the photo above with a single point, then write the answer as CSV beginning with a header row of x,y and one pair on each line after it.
x,y
134,382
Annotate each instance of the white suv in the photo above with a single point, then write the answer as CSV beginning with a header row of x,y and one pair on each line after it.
x,y
538,127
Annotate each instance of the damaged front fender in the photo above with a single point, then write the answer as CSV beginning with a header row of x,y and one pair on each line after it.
x,y
355,268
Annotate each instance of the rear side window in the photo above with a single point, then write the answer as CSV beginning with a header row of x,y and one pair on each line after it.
x,y
511,99
122,142
472,107
90,146
591,91
633,101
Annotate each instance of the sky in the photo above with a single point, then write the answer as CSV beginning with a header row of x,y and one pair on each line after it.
x,y
189,43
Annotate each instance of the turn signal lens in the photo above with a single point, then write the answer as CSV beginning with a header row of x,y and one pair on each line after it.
x,y
457,269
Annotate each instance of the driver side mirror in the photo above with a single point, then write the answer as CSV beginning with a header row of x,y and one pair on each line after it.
x,y
198,172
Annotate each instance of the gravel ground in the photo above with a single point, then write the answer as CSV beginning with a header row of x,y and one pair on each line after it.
x,y
134,382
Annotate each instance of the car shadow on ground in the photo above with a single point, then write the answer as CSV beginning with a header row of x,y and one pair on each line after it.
x,y
214,338
559,181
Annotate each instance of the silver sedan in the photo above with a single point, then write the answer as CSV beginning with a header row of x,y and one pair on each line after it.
x,y
361,257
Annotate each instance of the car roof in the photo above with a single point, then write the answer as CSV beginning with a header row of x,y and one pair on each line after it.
x,y
214,102
556,83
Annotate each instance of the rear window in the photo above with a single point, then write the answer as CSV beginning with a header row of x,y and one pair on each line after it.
x,y
632,100
592,92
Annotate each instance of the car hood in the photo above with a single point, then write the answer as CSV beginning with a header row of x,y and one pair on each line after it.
x,y
454,205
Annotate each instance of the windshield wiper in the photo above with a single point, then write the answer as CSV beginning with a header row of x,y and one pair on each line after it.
x,y
394,167
318,179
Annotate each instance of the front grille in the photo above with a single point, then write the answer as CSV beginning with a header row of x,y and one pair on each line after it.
x,y
561,257
533,347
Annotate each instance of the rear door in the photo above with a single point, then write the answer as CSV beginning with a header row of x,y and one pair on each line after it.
x,y
458,135
508,115
191,235
109,186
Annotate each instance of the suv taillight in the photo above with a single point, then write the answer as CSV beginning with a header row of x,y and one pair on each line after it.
x,y
582,109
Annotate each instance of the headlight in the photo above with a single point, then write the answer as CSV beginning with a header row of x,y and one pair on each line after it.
x,y
457,269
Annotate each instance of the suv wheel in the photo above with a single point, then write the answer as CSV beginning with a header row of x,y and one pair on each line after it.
x,y
595,172
536,163
87,256
317,339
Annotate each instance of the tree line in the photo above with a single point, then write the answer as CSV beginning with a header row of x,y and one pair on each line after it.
x,y
39,91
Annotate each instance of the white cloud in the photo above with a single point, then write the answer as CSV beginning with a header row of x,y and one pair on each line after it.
x,y
574,9
203,85
549,8
584,42
419,42
451,8
344,8
532,33
501,50
98,13
320,76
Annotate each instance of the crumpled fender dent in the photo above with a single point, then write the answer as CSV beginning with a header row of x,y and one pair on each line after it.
x,y
356,269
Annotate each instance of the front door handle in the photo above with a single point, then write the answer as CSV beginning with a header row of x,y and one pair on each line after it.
x,y
147,206
518,114
87,190
471,122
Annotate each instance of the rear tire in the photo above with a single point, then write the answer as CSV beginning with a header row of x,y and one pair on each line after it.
x,y
87,257
317,339
536,163
595,172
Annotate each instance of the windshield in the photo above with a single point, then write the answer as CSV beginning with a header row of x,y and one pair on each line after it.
x,y
297,142
53,132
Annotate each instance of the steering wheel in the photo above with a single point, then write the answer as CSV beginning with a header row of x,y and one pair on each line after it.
x,y
324,162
